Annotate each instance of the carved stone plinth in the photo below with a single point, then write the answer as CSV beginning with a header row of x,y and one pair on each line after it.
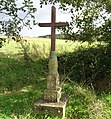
x,y
52,95
53,81
55,109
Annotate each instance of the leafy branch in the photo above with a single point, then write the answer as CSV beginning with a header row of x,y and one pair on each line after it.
x,y
16,16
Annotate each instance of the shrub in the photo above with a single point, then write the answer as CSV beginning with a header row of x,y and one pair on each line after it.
x,y
2,41
86,64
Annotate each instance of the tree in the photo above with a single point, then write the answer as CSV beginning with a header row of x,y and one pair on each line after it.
x,y
12,10
89,16
17,14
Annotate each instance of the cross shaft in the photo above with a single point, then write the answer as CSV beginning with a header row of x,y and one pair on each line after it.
x,y
53,26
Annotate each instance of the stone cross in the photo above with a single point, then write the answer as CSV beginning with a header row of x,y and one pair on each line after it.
x,y
52,94
53,91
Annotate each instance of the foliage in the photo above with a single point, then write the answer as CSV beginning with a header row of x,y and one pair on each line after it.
x,y
89,65
16,74
89,17
12,10
106,31
16,14
25,47
84,103
2,40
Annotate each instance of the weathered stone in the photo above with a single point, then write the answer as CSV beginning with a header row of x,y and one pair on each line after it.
x,y
52,95
55,109
53,64
53,91
53,81
53,77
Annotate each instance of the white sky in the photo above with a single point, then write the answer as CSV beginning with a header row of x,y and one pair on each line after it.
x,y
44,15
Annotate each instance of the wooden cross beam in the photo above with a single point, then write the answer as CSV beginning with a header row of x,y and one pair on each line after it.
x,y
53,26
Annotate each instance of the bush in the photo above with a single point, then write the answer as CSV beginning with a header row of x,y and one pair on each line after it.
x,y
2,41
86,64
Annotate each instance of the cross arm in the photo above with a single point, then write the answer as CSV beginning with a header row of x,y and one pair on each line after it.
x,y
58,24
61,24
44,24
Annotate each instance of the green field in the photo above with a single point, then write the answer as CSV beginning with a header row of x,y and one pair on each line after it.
x,y
41,44
23,80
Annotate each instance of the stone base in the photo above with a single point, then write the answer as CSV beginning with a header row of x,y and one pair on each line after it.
x,y
55,109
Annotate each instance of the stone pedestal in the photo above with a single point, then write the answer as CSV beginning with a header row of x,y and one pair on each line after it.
x,y
55,109
53,91
52,102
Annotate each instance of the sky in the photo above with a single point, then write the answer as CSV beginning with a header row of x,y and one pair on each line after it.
x,y
44,15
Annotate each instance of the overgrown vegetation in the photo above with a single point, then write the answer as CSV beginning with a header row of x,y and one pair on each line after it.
x,y
22,81
90,65
2,41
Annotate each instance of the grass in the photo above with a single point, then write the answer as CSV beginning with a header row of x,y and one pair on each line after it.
x,y
22,83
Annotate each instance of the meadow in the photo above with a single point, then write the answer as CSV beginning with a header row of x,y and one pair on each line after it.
x,y
24,70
